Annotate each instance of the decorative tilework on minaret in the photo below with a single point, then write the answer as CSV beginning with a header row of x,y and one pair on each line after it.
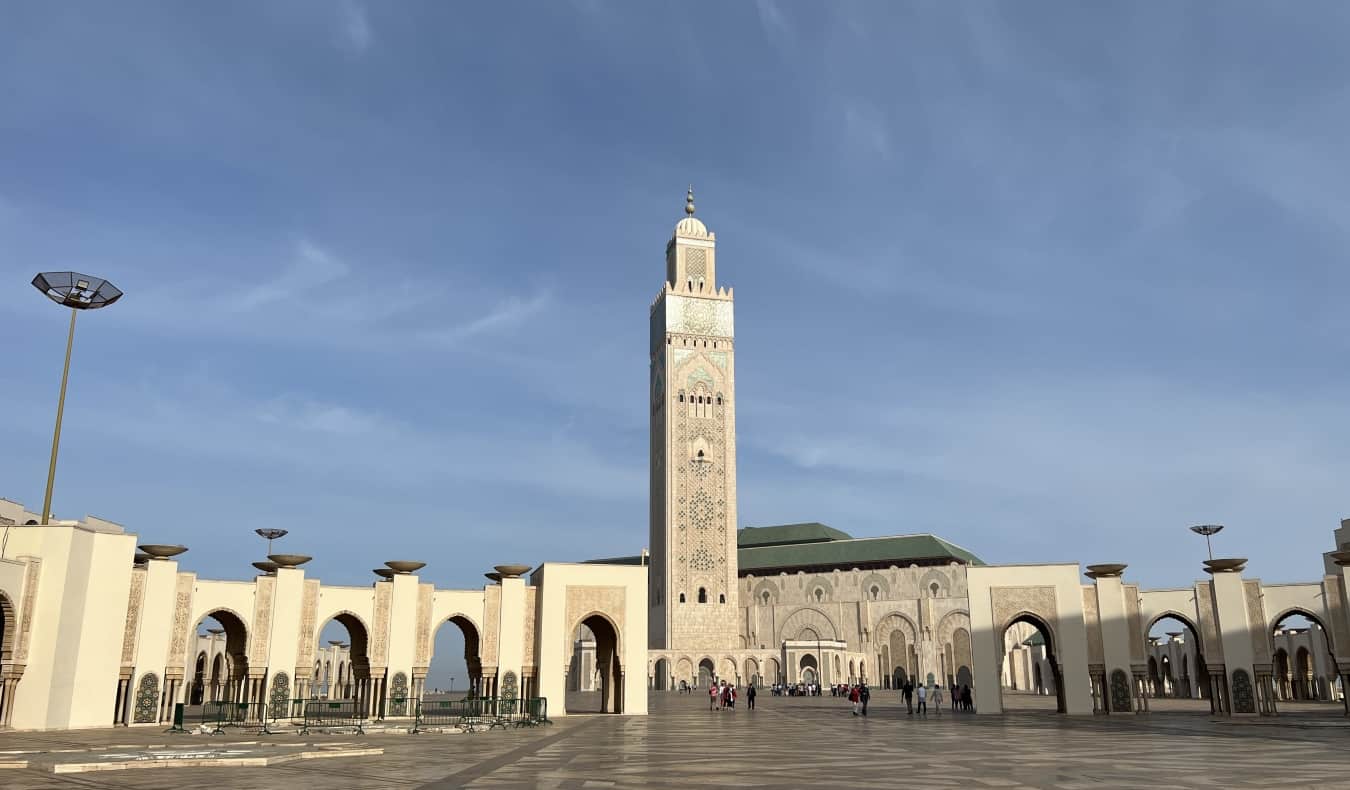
x,y
693,449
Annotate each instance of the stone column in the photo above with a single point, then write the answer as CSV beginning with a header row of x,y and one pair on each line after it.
x,y
1230,610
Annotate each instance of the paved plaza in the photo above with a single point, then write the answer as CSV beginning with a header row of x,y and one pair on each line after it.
x,y
788,742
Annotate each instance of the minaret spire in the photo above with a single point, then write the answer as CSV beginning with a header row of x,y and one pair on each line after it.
x,y
689,201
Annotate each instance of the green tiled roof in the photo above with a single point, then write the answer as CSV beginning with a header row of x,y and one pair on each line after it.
x,y
815,546
634,560
899,550
810,532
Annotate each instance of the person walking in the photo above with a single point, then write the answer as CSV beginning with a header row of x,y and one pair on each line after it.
x,y
908,692
712,696
956,697
922,693
750,697
937,698
853,698
864,694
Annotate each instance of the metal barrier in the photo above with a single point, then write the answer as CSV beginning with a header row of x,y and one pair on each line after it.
x,y
481,713
324,714
535,713
439,713
219,715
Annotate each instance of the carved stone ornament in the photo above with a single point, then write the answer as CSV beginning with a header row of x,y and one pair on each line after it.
x,y
379,637
134,604
1008,602
147,699
309,605
281,693
1120,690
398,695
262,621
1244,701
30,594
423,650
181,627
531,613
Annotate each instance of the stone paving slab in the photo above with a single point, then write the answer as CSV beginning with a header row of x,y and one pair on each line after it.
x,y
788,743
116,757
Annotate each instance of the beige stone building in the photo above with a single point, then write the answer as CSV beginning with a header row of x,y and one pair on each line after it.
x,y
92,633
805,603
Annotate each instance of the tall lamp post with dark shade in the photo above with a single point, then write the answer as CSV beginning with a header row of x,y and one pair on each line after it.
x,y
78,292
271,535
1208,530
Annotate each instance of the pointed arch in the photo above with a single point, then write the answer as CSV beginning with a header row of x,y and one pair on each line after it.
x,y
808,617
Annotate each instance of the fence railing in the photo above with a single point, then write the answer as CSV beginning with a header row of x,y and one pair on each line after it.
x,y
219,715
481,713
470,715
327,714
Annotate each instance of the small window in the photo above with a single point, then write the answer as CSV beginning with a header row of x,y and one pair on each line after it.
x,y
681,597
820,595
721,598
876,592
934,587
765,597
702,595
681,397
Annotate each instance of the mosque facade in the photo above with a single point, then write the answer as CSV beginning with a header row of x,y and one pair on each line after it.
x,y
94,633
806,603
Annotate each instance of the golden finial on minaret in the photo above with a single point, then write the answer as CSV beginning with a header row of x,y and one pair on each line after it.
x,y
689,201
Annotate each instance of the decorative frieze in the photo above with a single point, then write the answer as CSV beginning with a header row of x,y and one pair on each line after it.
x,y
531,614
182,610
262,623
1008,602
1093,622
30,593
379,637
305,646
135,600
583,600
1209,633
422,652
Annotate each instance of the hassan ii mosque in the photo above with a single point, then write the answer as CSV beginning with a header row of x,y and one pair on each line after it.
x,y
98,628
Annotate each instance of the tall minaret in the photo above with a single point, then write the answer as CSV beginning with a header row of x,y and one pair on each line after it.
x,y
693,460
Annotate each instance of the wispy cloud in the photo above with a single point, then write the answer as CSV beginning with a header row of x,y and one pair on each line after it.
x,y
865,128
773,22
309,415
507,314
310,268
355,32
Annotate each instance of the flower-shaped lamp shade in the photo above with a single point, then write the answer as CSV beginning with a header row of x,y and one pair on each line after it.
x,y
77,291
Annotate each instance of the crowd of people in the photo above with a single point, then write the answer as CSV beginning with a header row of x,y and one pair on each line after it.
x,y
723,695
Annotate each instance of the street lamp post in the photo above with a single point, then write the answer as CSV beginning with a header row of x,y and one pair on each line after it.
x,y
78,292
271,535
1208,530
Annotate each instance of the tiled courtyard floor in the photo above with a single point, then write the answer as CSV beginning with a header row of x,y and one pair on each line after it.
x,y
788,742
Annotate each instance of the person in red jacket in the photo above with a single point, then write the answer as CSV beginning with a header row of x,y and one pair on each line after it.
x,y
854,697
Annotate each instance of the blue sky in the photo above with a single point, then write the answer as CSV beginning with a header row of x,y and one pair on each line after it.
x,y
1051,280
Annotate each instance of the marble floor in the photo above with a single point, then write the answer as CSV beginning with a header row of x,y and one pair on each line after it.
x,y
787,742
